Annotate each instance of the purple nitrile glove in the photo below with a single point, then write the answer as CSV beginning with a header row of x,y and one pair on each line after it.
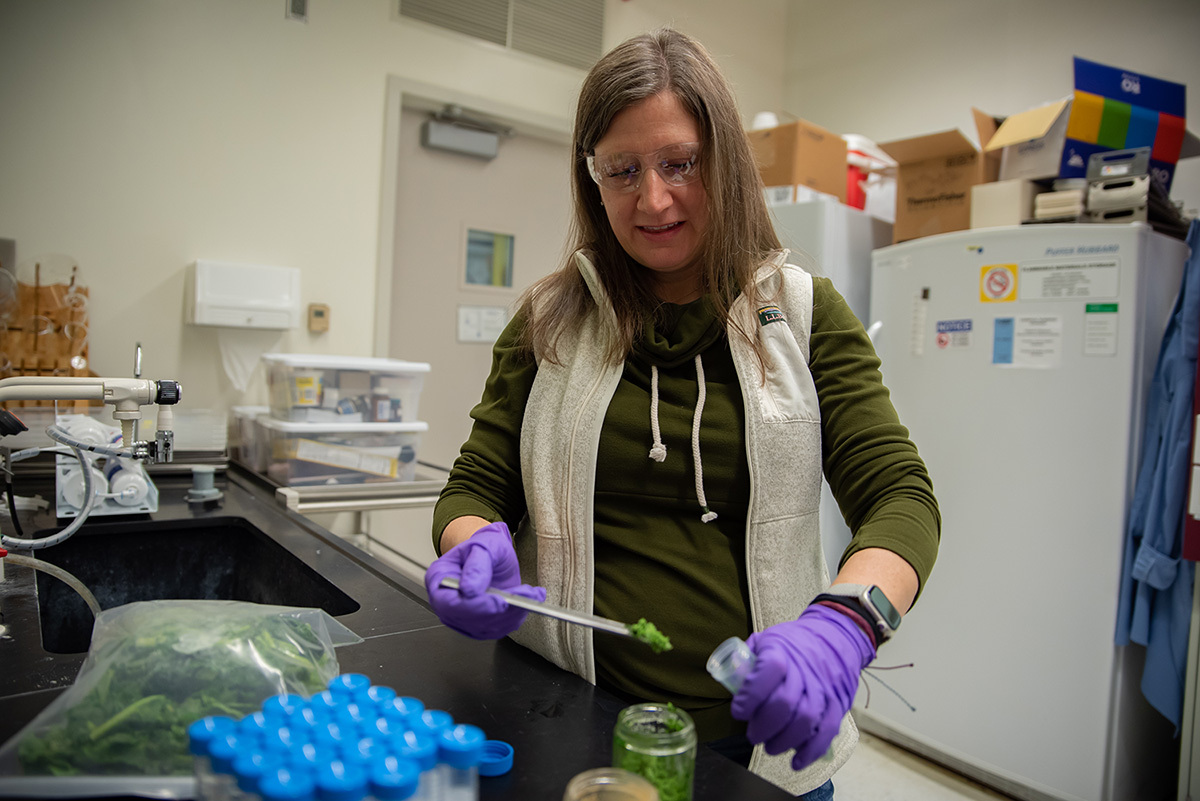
x,y
803,682
485,560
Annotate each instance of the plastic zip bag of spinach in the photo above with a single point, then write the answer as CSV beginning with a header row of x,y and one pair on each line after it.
x,y
156,666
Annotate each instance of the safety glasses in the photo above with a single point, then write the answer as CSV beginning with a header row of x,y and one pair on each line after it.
x,y
622,172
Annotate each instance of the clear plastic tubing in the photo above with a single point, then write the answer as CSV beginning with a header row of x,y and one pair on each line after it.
x,y
460,749
730,663
200,736
58,573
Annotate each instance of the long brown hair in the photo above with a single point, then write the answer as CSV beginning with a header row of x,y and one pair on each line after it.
x,y
739,235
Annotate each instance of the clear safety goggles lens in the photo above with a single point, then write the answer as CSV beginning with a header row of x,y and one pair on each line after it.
x,y
622,172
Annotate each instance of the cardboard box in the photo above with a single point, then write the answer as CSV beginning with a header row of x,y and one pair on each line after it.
x,y
999,203
933,183
801,153
1111,109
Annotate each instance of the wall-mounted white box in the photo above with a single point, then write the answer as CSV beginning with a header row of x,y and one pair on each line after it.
x,y
242,295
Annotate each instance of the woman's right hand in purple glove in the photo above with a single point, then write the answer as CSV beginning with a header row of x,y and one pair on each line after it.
x,y
485,560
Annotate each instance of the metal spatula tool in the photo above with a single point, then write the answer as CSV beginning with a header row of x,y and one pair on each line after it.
x,y
550,610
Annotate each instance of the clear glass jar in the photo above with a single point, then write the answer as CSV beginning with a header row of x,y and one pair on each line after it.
x,y
657,742
609,784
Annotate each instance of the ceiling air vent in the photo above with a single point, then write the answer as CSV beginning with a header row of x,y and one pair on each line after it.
x,y
565,31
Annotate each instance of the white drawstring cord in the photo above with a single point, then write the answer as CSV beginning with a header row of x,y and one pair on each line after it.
x,y
658,452
708,515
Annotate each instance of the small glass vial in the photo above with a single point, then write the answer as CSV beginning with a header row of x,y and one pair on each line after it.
x,y
201,735
420,748
657,742
609,784
730,663
460,748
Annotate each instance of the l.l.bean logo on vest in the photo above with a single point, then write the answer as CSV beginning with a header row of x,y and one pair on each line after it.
x,y
770,314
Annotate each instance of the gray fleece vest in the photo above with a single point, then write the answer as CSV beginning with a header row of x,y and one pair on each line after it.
x,y
560,437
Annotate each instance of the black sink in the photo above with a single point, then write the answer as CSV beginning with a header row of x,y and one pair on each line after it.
x,y
212,558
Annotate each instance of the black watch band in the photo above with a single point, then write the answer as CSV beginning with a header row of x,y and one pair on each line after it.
x,y
869,602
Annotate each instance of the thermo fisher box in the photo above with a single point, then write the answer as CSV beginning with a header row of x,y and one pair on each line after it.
x,y
302,454
309,388
242,295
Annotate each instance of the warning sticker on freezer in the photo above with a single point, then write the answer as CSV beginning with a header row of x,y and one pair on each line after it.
x,y
953,334
1071,279
997,283
1100,329
1028,341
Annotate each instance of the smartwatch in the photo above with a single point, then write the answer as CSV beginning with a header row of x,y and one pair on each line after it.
x,y
870,603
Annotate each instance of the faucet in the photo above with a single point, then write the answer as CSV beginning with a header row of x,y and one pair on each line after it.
x,y
127,395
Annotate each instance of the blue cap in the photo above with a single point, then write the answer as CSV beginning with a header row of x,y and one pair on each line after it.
x,y
461,746
386,727
341,780
364,750
283,738
403,707
285,783
309,755
350,684
222,750
394,778
360,714
418,746
249,767
324,703
304,719
202,732
497,758
254,724
282,706
379,694
431,721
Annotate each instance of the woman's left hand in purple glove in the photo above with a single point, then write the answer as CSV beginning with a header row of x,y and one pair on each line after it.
x,y
485,560
803,682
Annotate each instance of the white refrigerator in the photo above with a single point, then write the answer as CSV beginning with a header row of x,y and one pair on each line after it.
x,y
1019,358
841,239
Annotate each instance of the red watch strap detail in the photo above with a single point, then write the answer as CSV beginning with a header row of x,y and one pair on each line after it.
x,y
858,619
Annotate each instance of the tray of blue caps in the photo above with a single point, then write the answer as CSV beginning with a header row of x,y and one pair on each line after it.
x,y
354,741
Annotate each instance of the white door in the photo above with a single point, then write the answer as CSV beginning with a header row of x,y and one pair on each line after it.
x,y
523,192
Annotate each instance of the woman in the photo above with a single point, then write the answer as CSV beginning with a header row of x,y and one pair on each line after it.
x,y
655,425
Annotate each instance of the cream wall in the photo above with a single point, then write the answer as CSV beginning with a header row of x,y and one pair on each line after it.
x,y
890,70
139,135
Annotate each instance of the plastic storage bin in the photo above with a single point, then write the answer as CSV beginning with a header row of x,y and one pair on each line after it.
x,y
302,454
243,435
308,388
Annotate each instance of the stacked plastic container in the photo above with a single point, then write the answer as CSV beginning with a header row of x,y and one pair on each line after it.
x,y
354,741
340,419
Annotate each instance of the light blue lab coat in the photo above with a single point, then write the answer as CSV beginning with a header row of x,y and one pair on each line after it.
x,y
1156,585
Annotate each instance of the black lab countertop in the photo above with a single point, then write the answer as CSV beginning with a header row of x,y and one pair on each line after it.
x,y
558,724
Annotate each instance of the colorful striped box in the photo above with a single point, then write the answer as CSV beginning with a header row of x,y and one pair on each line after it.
x,y
1116,109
